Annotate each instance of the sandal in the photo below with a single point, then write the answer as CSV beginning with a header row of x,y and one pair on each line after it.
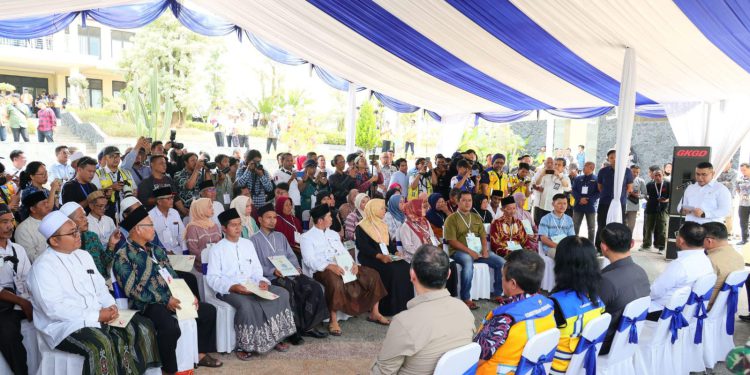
x,y
209,361
243,356
380,320
281,347
334,331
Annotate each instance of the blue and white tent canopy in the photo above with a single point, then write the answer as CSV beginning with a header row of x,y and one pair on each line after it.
x,y
493,57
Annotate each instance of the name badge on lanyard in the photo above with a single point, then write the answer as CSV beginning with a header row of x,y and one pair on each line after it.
x,y
384,249
163,272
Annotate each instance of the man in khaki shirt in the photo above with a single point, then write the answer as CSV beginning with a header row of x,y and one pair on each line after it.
x,y
724,258
433,323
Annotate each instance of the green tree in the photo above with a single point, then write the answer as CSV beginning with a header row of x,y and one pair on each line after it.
x,y
367,136
173,50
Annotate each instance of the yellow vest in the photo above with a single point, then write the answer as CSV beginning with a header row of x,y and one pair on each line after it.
x,y
105,179
577,312
530,316
497,182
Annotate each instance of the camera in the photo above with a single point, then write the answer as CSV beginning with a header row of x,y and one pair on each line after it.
x,y
426,173
226,170
259,167
549,171
178,145
172,135
211,165
373,159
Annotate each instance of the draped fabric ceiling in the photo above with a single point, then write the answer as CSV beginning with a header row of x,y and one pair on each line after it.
x,y
499,59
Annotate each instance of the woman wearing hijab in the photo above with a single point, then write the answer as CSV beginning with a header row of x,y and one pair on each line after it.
x,y
201,232
437,213
480,207
355,216
349,206
524,215
395,217
244,207
287,224
376,248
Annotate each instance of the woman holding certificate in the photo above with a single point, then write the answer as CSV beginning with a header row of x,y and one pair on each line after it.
x,y
348,287
262,321
201,231
280,265
377,250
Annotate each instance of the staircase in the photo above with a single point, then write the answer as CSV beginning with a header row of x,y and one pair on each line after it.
x,y
63,136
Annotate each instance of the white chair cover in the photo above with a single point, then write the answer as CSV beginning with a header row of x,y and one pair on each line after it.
x,y
32,349
716,341
591,340
459,360
187,345
56,362
656,353
538,352
619,360
548,281
199,278
692,342
481,282
226,338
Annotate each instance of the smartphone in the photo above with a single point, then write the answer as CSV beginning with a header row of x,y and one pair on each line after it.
x,y
427,159
474,173
172,135
549,171
149,140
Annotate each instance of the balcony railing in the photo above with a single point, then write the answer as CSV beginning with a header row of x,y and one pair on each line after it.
x,y
44,43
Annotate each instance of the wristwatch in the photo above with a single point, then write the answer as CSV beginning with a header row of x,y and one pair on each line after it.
x,y
703,214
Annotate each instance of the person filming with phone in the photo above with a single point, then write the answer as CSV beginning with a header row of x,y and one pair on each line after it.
x,y
550,181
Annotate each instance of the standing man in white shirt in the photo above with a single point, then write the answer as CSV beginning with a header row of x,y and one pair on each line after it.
x,y
18,163
27,233
286,173
14,268
167,223
691,264
60,168
705,200
550,181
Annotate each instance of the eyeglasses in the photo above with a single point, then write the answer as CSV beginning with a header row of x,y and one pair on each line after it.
x,y
100,205
145,225
75,234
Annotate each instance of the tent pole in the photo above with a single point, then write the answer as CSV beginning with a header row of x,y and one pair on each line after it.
x,y
351,110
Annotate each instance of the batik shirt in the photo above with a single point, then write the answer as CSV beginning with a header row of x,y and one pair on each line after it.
x,y
185,194
137,271
102,257
493,332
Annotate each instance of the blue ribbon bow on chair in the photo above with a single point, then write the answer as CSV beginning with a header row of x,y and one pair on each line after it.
x,y
589,359
700,313
627,322
536,368
731,304
677,321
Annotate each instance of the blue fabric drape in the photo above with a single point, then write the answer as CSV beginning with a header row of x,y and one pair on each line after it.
x,y
732,300
514,28
332,80
579,113
201,23
651,111
379,26
726,23
128,16
394,104
434,115
630,324
502,116
701,312
35,27
274,53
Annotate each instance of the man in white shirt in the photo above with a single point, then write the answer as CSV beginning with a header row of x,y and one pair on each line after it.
x,y
691,264
27,233
233,267
323,168
18,163
494,208
286,173
548,182
15,304
705,200
99,222
167,223
60,168
71,301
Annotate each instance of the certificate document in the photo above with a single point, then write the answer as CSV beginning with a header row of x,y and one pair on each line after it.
x,y
181,291
283,265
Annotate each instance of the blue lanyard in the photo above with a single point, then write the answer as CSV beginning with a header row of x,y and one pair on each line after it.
x,y
85,193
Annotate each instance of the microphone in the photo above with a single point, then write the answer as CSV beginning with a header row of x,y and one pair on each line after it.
x,y
684,185
90,272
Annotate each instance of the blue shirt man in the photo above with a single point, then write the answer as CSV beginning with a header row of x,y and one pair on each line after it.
x,y
555,225
585,190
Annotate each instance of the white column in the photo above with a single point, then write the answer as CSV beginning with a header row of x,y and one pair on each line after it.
x,y
351,116
625,119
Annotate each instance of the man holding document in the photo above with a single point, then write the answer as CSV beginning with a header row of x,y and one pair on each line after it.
x,y
281,266
144,273
263,318
73,309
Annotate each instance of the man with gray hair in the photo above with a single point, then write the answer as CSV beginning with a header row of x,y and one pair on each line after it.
x,y
433,323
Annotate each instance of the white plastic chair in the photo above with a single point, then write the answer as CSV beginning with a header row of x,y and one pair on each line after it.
x,y
538,352
718,328
226,338
548,280
459,360
589,345
695,313
656,353
32,349
481,279
619,360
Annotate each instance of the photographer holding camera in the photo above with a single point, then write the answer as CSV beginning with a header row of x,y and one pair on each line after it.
x,y
550,181
286,173
223,180
115,181
189,179
364,179
421,178
255,178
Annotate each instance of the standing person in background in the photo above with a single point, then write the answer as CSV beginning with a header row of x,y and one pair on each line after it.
x,y
18,163
273,134
550,182
657,212
586,194
287,173
79,188
340,182
111,177
495,177
410,134
705,200
728,178
743,188
633,203
135,161
400,177
17,113
581,155
255,178
223,181
216,120
606,182
47,122
60,168
387,169
668,171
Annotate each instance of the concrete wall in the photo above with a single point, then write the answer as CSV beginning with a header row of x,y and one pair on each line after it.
x,y
653,141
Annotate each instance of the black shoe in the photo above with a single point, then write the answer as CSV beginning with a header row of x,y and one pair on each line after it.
x,y
745,318
296,339
315,333
742,242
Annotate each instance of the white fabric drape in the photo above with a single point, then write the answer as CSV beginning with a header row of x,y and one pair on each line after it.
x,y
722,125
351,116
625,118
451,130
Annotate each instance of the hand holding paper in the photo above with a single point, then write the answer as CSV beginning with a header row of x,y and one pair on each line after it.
x,y
124,319
183,263
180,291
255,289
